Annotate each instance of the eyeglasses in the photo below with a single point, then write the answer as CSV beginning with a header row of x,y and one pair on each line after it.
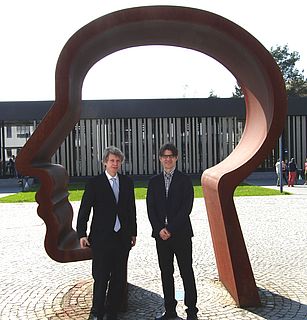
x,y
167,156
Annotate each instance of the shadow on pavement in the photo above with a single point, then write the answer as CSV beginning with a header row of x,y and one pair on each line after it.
x,y
277,306
142,304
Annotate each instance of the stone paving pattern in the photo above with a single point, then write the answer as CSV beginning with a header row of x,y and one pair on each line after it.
x,y
33,286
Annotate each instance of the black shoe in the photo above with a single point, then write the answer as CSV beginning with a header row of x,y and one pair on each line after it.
x,y
92,317
168,316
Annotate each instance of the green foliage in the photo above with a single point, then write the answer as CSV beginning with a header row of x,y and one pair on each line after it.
x,y
296,84
212,94
76,192
248,190
238,92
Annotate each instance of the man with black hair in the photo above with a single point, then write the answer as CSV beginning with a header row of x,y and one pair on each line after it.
x,y
169,199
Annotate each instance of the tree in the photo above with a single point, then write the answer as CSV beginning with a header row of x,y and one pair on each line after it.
x,y
212,94
238,91
296,83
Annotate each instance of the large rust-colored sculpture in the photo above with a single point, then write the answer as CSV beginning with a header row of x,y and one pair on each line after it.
x,y
232,46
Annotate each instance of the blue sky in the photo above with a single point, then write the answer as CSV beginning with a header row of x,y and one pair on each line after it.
x,y
33,33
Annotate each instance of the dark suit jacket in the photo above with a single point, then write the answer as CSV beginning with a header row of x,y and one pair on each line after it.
x,y
99,195
177,206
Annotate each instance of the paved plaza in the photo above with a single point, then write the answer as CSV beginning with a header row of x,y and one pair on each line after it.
x,y
33,286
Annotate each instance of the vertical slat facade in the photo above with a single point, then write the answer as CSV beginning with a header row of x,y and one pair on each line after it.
x,y
202,142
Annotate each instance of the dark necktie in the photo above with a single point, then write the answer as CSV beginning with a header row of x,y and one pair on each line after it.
x,y
167,178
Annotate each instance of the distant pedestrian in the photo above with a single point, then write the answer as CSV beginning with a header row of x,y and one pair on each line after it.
x,y
283,173
292,172
11,166
305,171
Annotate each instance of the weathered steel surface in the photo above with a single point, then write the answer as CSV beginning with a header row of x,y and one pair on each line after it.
x,y
232,46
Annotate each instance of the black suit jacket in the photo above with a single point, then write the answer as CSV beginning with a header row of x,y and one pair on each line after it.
x,y
99,195
177,206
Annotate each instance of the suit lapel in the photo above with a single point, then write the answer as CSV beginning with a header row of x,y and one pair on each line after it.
x,y
121,187
162,186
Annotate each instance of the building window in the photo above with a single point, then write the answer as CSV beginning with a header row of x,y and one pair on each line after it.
x,y
9,131
23,131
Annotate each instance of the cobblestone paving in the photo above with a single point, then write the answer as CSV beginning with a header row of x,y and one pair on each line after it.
x,y
32,286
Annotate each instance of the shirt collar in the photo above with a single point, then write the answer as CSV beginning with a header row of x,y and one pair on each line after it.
x,y
170,174
110,177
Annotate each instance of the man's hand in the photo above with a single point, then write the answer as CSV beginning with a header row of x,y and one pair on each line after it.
x,y
164,234
133,241
84,243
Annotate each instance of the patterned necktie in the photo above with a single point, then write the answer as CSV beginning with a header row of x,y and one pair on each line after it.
x,y
167,180
116,193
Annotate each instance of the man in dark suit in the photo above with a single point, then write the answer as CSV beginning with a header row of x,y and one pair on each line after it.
x,y
112,232
170,198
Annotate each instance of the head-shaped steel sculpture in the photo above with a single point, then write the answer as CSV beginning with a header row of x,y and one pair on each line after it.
x,y
213,35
